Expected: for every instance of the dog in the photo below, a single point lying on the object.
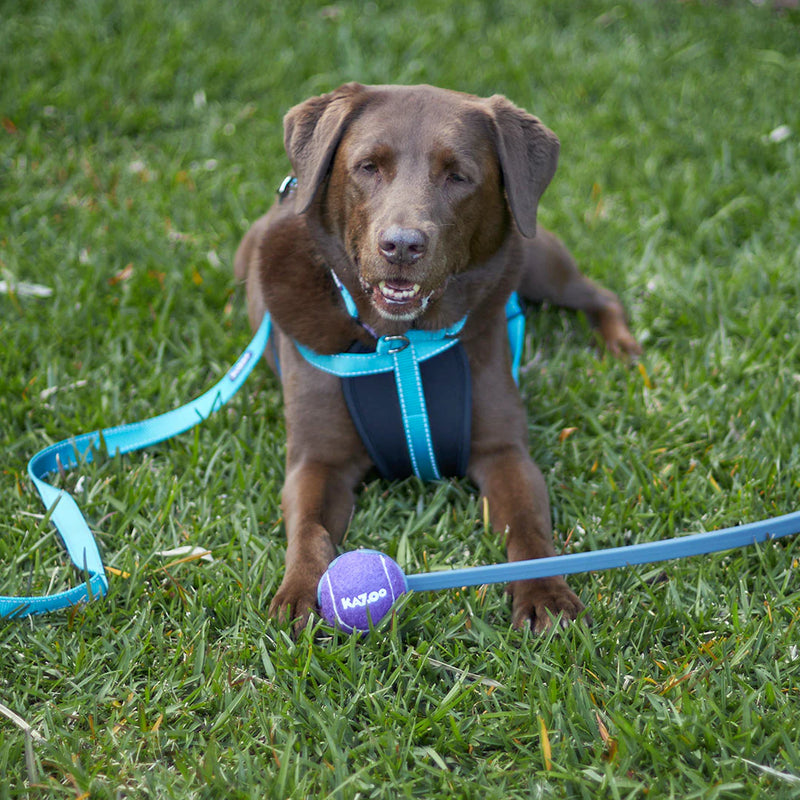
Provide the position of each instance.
(421, 204)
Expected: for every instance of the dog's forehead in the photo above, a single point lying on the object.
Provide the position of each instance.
(422, 119)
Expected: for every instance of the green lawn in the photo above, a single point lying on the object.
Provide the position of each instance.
(137, 142)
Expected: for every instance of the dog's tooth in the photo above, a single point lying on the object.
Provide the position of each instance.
(396, 294)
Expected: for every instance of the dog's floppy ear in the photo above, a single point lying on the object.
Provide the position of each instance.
(528, 153)
(311, 133)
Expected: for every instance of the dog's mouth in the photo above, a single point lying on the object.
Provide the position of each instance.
(398, 299)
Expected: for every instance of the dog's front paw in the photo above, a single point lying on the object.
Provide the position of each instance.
(545, 601)
(294, 602)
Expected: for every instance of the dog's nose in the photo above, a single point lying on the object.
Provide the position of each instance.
(402, 245)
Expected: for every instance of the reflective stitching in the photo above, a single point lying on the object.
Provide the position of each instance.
(412, 452)
(426, 428)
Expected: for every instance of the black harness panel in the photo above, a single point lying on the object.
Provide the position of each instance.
(375, 408)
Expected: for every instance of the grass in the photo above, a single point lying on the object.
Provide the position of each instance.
(137, 142)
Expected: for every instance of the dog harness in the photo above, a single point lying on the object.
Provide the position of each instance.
(411, 398)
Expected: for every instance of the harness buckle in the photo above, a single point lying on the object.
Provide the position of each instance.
(403, 343)
(286, 187)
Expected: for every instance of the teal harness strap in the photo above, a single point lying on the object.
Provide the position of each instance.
(64, 513)
(427, 344)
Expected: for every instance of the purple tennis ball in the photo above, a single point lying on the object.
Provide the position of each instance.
(360, 586)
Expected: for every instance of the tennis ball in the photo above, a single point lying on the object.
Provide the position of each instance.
(358, 587)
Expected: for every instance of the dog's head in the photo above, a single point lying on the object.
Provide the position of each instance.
(417, 183)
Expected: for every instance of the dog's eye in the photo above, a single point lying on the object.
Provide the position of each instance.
(457, 177)
(368, 167)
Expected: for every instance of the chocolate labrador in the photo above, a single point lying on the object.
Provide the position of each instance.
(417, 205)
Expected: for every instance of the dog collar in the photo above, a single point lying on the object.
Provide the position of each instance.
(515, 320)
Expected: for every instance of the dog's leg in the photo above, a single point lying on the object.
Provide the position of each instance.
(317, 504)
(550, 274)
(515, 491)
(514, 486)
(325, 460)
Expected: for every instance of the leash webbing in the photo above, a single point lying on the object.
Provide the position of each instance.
(612, 557)
(64, 513)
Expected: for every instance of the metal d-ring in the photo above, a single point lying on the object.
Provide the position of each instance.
(399, 337)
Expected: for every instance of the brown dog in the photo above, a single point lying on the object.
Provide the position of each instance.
(423, 202)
